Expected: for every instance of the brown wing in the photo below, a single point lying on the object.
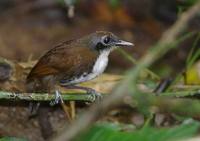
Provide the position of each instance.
(64, 60)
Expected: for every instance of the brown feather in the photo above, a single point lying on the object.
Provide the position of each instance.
(65, 60)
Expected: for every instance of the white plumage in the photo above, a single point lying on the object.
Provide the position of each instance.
(99, 67)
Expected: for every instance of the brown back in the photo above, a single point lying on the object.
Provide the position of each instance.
(68, 59)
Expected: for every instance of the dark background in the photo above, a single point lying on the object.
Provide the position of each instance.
(30, 27)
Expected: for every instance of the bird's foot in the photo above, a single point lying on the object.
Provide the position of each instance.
(94, 95)
(58, 99)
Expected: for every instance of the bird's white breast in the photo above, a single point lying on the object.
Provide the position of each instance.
(99, 67)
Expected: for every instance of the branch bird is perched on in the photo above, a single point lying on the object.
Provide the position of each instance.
(73, 62)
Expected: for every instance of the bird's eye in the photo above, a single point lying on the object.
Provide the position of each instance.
(106, 40)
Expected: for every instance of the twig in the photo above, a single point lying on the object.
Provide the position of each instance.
(117, 96)
(45, 96)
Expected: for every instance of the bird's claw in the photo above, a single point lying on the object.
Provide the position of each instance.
(58, 98)
(94, 96)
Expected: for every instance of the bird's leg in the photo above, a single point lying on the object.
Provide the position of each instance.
(58, 98)
(94, 94)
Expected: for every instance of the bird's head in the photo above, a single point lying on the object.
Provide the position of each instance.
(105, 41)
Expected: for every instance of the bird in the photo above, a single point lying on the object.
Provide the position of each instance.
(67, 65)
(73, 62)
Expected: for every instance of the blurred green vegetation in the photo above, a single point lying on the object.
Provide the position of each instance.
(112, 132)
(194, 53)
(185, 5)
(12, 139)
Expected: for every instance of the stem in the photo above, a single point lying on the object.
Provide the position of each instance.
(45, 96)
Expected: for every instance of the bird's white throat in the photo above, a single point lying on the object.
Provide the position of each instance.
(101, 63)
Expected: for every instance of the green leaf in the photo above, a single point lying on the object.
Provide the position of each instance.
(194, 53)
(113, 133)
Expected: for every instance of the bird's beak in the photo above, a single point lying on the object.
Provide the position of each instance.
(123, 43)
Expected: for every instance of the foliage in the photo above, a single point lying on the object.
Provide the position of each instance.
(112, 132)
(185, 5)
(194, 53)
(192, 63)
(12, 139)
(114, 3)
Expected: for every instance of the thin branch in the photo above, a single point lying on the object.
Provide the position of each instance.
(45, 96)
(117, 96)
(42, 97)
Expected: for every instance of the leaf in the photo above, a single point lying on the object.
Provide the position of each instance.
(113, 133)
(194, 53)
(192, 75)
